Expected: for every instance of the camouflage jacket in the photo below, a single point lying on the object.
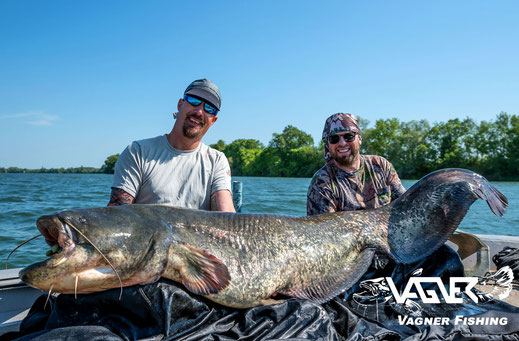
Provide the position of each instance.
(374, 184)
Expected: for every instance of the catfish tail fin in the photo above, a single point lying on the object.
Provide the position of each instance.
(425, 216)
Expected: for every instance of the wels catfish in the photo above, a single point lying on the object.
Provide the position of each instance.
(242, 260)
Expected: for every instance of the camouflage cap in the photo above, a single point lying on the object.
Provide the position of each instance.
(337, 123)
(340, 122)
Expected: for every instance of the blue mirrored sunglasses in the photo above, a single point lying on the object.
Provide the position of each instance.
(196, 102)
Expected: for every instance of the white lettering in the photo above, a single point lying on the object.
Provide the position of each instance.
(445, 321)
(430, 296)
(405, 295)
(481, 321)
(422, 321)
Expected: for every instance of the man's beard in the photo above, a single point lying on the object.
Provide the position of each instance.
(346, 160)
(192, 132)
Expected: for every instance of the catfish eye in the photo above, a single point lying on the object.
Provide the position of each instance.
(82, 220)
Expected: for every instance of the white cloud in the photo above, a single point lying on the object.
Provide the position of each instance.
(37, 118)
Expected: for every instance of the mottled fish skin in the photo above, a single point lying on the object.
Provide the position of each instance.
(266, 254)
(242, 260)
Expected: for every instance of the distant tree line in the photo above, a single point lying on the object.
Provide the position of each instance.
(107, 168)
(415, 148)
(290, 153)
(75, 170)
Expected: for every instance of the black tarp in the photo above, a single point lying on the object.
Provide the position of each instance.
(509, 256)
(166, 311)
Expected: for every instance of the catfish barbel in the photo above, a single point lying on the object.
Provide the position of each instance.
(242, 260)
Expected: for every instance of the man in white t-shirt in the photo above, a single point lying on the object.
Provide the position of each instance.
(177, 168)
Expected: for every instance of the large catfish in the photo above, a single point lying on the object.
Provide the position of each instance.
(242, 260)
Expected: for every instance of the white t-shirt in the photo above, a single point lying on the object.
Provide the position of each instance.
(154, 172)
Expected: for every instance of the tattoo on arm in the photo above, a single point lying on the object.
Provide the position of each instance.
(214, 203)
(222, 201)
(120, 197)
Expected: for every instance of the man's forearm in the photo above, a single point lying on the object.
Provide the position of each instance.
(120, 197)
(222, 201)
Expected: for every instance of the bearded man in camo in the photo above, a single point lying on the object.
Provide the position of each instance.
(350, 181)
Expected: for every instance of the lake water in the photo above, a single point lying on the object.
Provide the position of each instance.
(25, 197)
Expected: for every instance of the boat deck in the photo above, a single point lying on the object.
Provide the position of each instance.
(16, 299)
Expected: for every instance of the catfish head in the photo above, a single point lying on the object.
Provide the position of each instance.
(102, 248)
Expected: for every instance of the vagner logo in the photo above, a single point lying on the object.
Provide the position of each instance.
(408, 302)
(430, 296)
(500, 282)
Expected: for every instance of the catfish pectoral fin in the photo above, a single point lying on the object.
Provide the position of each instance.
(330, 285)
(199, 271)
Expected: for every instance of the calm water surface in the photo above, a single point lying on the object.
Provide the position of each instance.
(25, 197)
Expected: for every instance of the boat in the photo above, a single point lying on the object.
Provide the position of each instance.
(476, 252)
(16, 298)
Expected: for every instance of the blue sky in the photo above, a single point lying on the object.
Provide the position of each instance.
(79, 80)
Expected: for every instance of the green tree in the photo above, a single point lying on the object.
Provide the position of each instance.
(291, 153)
(109, 165)
(242, 154)
(363, 123)
(268, 163)
(302, 162)
(384, 139)
(497, 143)
(291, 138)
(512, 148)
(451, 144)
(220, 145)
(413, 161)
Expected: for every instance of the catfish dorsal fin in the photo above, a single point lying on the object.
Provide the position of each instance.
(201, 272)
(332, 285)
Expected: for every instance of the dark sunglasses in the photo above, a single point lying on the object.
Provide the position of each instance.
(348, 137)
(196, 102)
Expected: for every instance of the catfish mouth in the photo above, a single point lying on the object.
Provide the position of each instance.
(80, 260)
(59, 232)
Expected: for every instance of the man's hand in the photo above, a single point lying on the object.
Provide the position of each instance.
(120, 197)
(222, 201)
